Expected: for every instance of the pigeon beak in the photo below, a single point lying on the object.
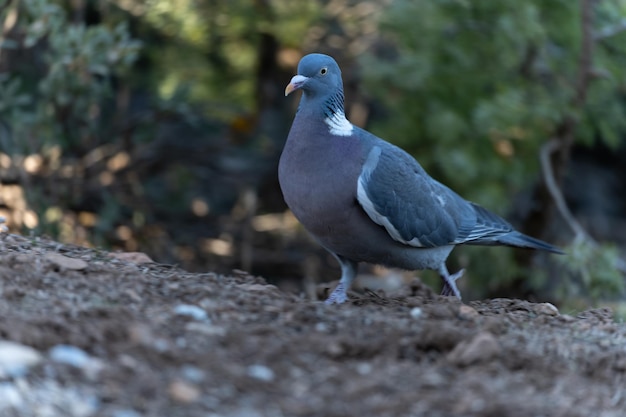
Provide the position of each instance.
(296, 82)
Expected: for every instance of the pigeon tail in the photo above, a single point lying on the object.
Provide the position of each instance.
(521, 240)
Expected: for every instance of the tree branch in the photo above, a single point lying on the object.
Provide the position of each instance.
(580, 234)
(558, 148)
(553, 188)
(585, 63)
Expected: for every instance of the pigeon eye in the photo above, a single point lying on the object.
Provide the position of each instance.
(323, 71)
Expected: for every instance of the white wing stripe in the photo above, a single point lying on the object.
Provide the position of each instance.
(370, 164)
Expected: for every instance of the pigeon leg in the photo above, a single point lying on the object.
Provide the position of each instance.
(348, 273)
(449, 281)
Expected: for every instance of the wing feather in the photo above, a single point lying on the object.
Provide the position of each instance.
(397, 194)
(416, 210)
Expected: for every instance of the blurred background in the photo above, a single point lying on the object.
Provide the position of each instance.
(156, 126)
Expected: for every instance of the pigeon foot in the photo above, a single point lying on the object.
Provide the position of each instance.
(449, 283)
(338, 296)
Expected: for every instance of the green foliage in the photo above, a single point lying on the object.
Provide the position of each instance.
(476, 87)
(86, 91)
(14, 106)
(210, 49)
(60, 99)
(57, 103)
(594, 271)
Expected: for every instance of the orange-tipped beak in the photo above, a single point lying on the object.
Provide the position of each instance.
(296, 82)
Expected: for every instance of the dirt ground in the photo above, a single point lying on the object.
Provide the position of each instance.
(87, 334)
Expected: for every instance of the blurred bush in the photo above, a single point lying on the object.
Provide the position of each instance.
(59, 78)
(153, 144)
(475, 88)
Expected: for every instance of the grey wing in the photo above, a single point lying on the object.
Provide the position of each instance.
(488, 229)
(416, 210)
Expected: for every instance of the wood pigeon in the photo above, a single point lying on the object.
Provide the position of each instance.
(366, 200)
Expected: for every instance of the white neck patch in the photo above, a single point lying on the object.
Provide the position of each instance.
(339, 125)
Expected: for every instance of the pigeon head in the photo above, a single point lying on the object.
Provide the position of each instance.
(318, 75)
(319, 78)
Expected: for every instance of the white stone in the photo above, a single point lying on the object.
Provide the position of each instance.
(416, 312)
(10, 396)
(70, 355)
(76, 357)
(15, 358)
(261, 372)
(192, 311)
(364, 368)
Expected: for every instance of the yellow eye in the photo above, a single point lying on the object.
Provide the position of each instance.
(323, 71)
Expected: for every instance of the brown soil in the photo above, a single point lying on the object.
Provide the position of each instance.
(248, 349)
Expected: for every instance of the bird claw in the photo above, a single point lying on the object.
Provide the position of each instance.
(449, 284)
(338, 296)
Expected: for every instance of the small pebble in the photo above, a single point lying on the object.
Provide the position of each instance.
(15, 358)
(192, 311)
(65, 262)
(70, 355)
(192, 373)
(335, 349)
(76, 357)
(133, 257)
(10, 396)
(416, 312)
(364, 368)
(125, 413)
(482, 347)
(321, 327)
(546, 309)
(261, 372)
(207, 329)
(183, 392)
(161, 345)
(467, 312)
